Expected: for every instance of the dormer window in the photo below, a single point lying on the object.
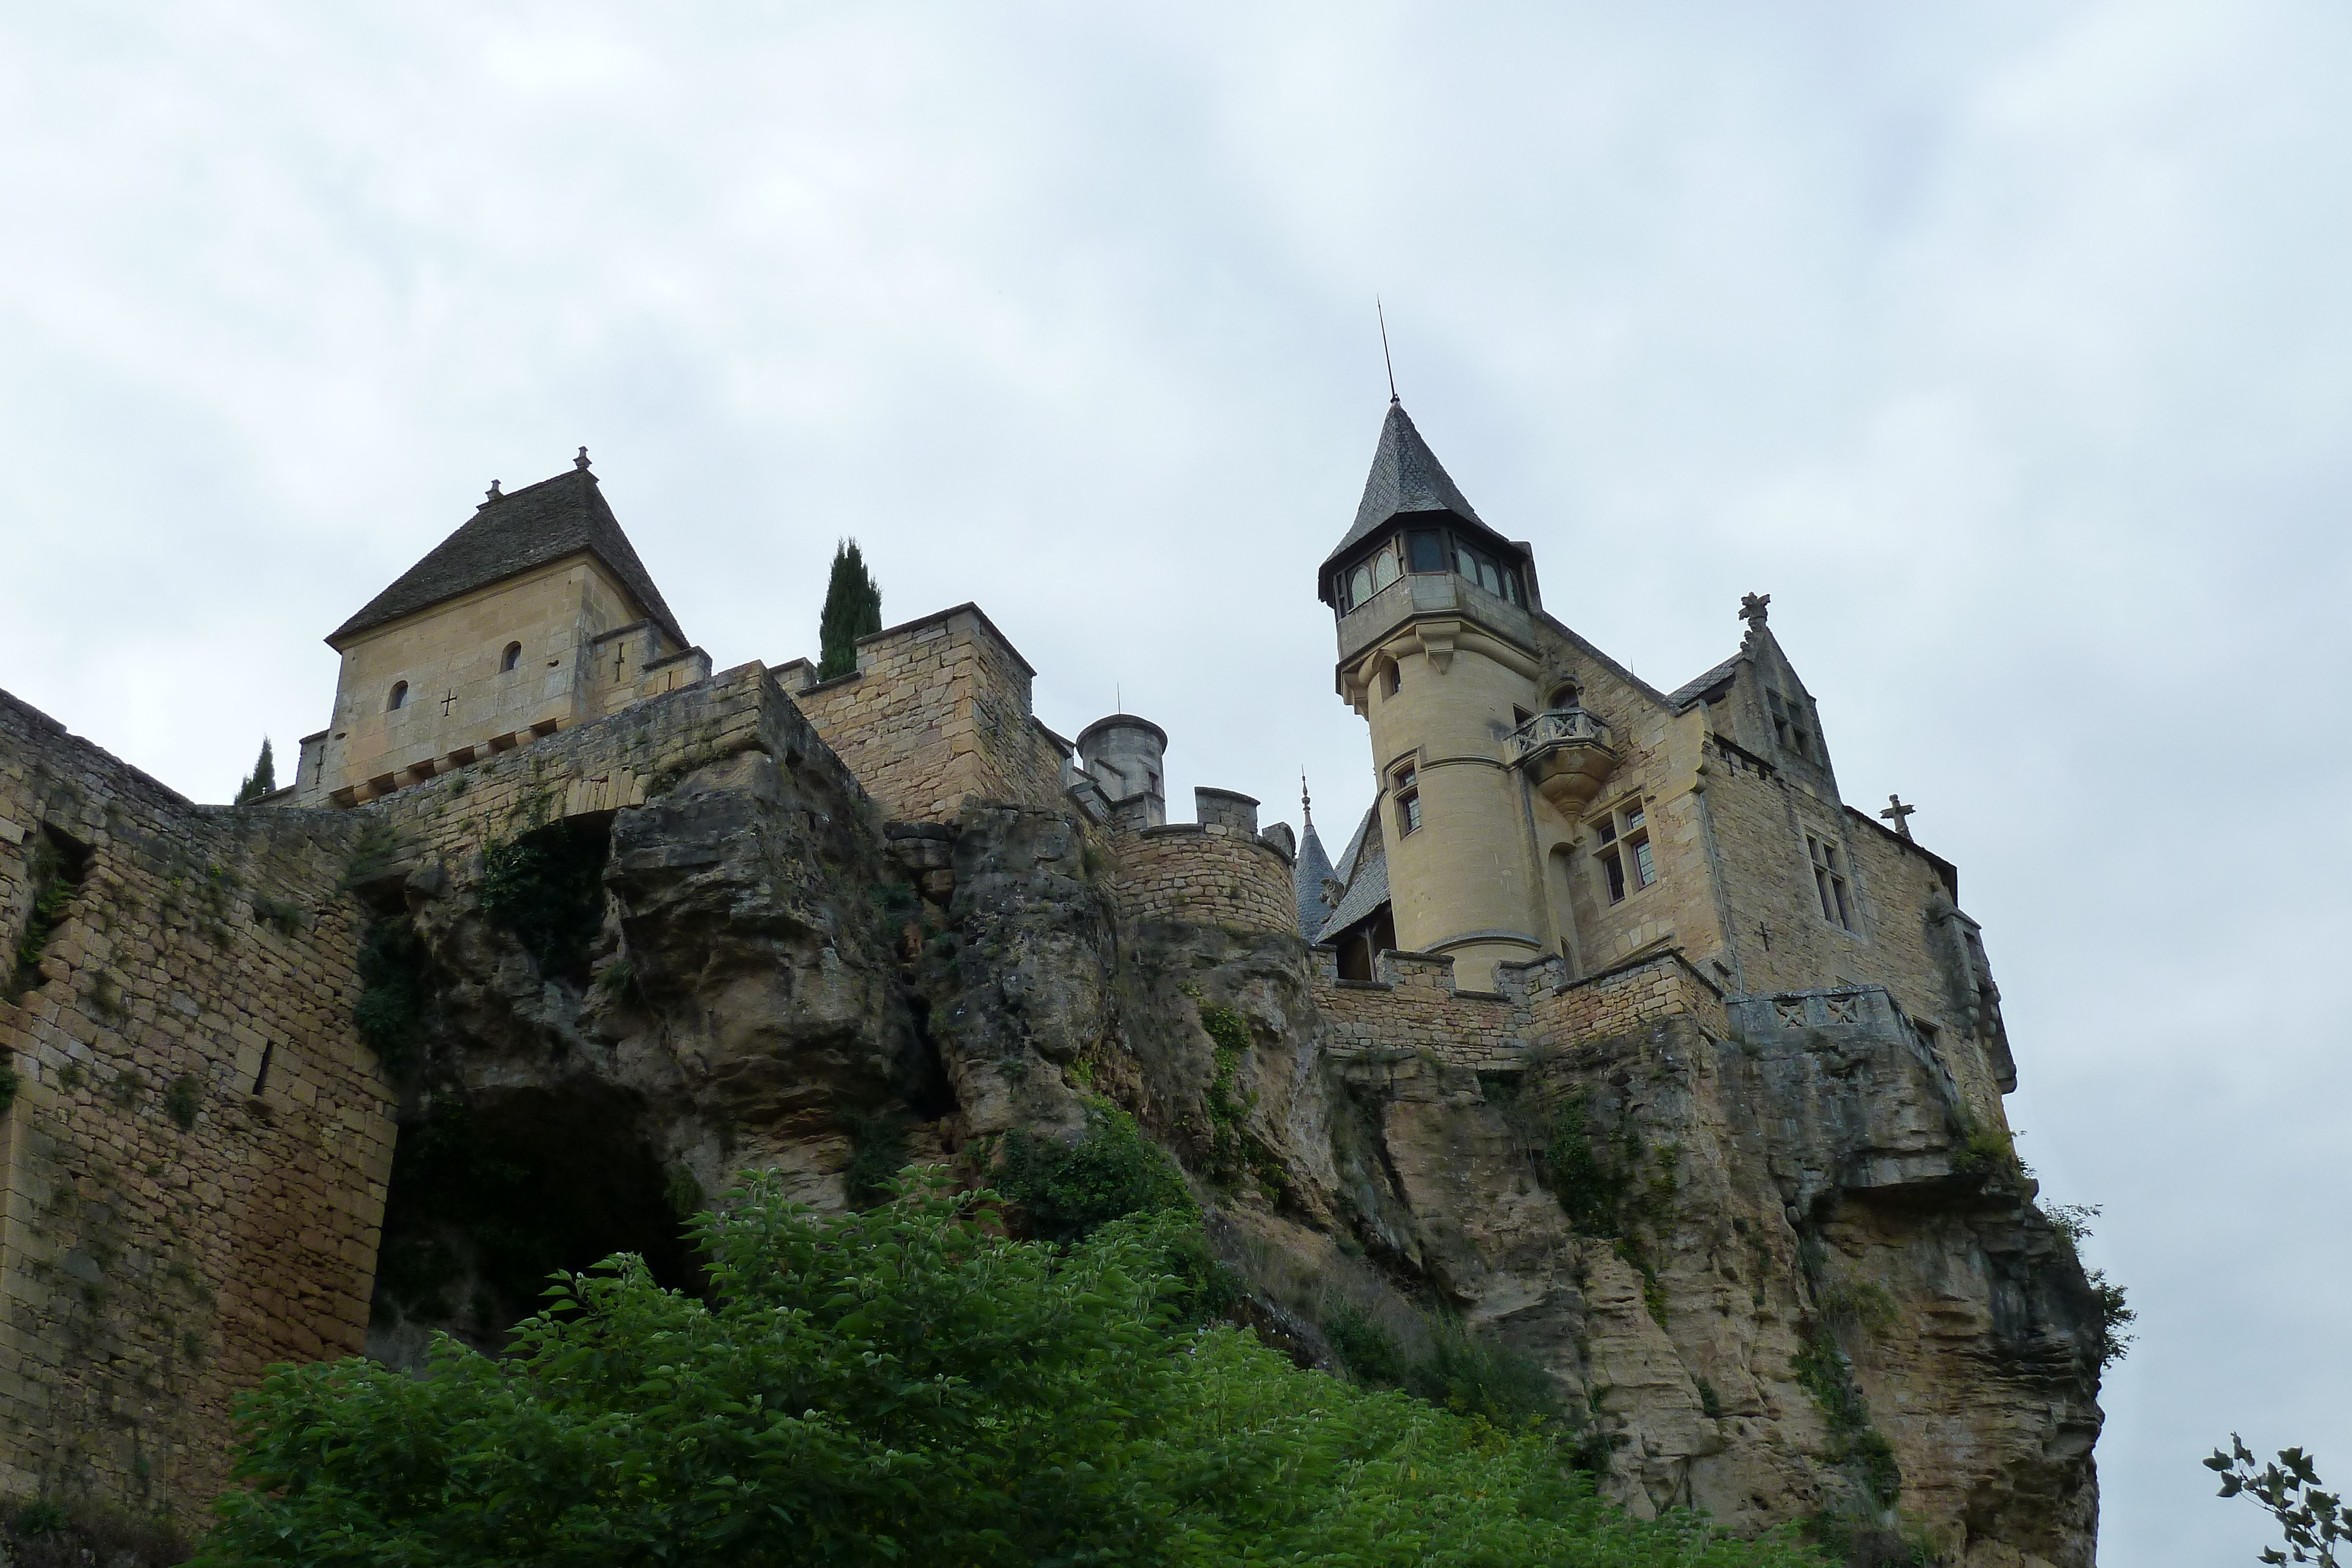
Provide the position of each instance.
(511, 659)
(399, 698)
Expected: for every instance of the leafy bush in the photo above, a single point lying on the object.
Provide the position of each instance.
(1438, 1360)
(906, 1386)
(2314, 1522)
(53, 882)
(546, 889)
(390, 1012)
(1821, 1367)
(181, 1102)
(878, 1149)
(1064, 1192)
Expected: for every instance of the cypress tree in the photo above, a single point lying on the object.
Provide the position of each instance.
(262, 780)
(853, 608)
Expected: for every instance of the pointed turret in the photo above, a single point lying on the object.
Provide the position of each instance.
(1311, 878)
(1406, 477)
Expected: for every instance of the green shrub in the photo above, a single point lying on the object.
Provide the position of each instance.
(905, 1386)
(54, 885)
(1821, 1367)
(546, 889)
(1064, 1192)
(877, 1150)
(390, 1012)
(181, 1102)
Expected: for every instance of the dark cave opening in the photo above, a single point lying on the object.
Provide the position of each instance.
(493, 1192)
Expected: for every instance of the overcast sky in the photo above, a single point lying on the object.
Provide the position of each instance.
(2005, 345)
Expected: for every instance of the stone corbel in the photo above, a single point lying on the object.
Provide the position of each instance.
(1437, 639)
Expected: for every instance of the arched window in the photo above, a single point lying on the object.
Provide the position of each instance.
(1360, 586)
(1384, 570)
(1565, 694)
(512, 658)
(399, 698)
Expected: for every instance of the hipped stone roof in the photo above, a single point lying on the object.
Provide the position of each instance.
(533, 526)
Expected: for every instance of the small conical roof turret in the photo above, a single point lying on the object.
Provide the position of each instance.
(1311, 877)
(1406, 477)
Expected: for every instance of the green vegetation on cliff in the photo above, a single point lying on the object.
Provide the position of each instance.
(906, 1385)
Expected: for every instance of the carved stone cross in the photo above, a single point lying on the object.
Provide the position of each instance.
(1751, 608)
(1900, 813)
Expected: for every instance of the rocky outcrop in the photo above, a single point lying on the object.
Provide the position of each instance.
(1775, 1271)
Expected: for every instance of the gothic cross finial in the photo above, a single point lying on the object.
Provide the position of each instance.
(1900, 813)
(1751, 608)
(1305, 803)
(580, 462)
(492, 493)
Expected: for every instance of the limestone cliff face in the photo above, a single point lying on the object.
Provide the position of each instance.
(1764, 1265)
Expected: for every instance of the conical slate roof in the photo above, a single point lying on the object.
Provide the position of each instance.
(1406, 477)
(1307, 880)
(533, 526)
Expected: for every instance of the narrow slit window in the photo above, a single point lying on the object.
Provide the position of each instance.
(399, 698)
(1829, 881)
(512, 658)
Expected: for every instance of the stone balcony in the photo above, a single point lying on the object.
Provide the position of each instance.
(1566, 753)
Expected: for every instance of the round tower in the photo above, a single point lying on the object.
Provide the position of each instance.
(1438, 651)
(1122, 755)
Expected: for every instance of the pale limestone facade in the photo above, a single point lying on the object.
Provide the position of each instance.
(490, 670)
(1537, 800)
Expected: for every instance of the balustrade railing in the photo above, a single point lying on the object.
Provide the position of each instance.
(1557, 724)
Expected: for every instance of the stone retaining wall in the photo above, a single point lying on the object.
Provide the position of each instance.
(1415, 1008)
(193, 1172)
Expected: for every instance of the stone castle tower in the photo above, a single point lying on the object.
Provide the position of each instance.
(1536, 799)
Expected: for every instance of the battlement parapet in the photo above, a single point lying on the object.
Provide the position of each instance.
(1203, 873)
(937, 710)
(1415, 1005)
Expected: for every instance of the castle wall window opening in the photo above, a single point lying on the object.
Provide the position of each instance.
(511, 659)
(1627, 863)
(1829, 881)
(1392, 677)
(1408, 799)
(399, 698)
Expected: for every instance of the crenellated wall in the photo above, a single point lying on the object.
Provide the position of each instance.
(939, 709)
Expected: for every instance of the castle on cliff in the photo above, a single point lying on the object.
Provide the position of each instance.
(1565, 870)
(1541, 807)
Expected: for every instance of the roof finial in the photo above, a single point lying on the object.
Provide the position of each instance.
(1751, 609)
(1385, 359)
(580, 462)
(1305, 802)
(492, 493)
